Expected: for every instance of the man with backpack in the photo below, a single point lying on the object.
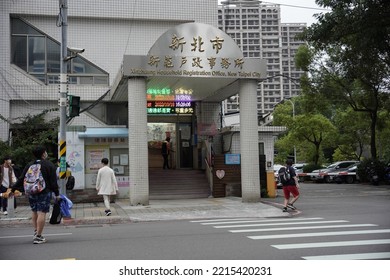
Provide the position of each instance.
(39, 180)
(289, 180)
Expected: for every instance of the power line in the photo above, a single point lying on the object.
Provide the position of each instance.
(131, 26)
(299, 7)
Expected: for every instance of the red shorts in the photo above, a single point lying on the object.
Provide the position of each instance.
(290, 189)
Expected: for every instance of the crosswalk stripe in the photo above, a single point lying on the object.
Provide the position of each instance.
(221, 220)
(239, 221)
(30, 236)
(364, 256)
(282, 224)
(331, 244)
(313, 234)
(299, 228)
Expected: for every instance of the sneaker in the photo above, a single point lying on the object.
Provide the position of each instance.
(284, 209)
(5, 213)
(292, 207)
(39, 239)
(108, 212)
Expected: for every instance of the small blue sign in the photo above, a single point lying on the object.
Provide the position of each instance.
(232, 159)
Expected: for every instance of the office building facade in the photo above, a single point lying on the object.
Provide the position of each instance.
(150, 69)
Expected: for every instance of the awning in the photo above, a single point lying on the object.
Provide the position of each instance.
(109, 132)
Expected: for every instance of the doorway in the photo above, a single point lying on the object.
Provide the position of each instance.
(185, 145)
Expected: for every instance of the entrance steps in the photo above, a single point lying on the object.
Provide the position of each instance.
(177, 184)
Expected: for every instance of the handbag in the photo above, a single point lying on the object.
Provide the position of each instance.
(56, 215)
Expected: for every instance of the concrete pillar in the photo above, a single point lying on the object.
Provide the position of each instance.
(138, 142)
(250, 170)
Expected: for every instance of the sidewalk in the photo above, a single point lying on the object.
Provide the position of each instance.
(157, 210)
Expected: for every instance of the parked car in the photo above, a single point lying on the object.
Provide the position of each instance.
(276, 175)
(348, 176)
(326, 174)
(299, 171)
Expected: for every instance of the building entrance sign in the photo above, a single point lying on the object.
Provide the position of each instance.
(194, 50)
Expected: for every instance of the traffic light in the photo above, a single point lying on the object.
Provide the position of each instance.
(74, 106)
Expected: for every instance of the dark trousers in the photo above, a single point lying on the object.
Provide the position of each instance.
(4, 201)
(165, 165)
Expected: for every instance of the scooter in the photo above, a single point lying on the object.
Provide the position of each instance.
(373, 176)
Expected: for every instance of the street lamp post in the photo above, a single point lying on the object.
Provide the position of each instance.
(293, 111)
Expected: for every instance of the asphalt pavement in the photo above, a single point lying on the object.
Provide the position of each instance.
(180, 209)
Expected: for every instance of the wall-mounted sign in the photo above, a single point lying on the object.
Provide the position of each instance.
(232, 159)
(166, 101)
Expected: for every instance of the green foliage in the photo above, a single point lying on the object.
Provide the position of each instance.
(309, 132)
(4, 150)
(351, 57)
(310, 167)
(353, 136)
(303, 58)
(28, 132)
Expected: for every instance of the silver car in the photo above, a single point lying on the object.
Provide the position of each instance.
(323, 175)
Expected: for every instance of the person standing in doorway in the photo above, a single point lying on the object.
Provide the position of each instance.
(165, 149)
(106, 184)
(40, 202)
(291, 186)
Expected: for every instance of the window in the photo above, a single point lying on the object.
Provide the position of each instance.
(39, 55)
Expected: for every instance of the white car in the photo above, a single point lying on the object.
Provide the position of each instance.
(276, 175)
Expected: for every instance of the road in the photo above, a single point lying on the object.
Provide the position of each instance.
(332, 222)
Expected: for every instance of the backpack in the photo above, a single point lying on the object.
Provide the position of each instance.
(33, 180)
(284, 175)
(70, 183)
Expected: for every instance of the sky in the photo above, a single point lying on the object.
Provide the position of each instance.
(297, 11)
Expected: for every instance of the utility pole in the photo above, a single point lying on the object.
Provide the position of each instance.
(63, 93)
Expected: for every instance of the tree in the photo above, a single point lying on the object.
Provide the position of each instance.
(353, 132)
(29, 131)
(349, 50)
(311, 132)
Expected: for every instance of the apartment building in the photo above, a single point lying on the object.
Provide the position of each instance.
(257, 29)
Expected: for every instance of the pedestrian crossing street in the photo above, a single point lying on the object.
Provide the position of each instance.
(322, 233)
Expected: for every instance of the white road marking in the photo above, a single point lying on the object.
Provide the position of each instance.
(283, 223)
(331, 244)
(30, 235)
(299, 228)
(313, 234)
(363, 256)
(223, 220)
(239, 221)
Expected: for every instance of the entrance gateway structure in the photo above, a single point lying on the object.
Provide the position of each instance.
(190, 63)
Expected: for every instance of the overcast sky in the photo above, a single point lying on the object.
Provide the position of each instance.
(297, 11)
